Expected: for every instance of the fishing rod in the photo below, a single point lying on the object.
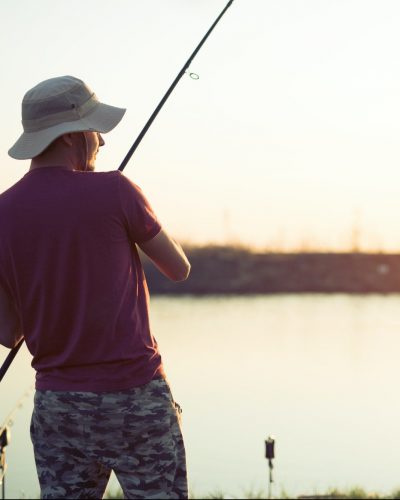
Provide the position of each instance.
(11, 355)
(10, 358)
(171, 88)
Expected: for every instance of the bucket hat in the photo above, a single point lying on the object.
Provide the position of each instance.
(58, 106)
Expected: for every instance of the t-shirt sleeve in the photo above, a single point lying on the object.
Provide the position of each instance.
(139, 218)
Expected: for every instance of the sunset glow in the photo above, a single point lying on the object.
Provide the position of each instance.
(288, 141)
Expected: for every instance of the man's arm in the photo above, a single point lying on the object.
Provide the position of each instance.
(167, 255)
(10, 328)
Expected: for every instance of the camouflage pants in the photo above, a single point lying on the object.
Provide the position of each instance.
(80, 437)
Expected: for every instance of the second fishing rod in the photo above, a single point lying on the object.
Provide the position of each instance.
(11, 355)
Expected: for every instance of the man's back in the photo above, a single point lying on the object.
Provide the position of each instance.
(69, 261)
(72, 284)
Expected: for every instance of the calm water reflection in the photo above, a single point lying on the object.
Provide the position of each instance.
(319, 372)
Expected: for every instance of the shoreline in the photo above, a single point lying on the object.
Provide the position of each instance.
(229, 270)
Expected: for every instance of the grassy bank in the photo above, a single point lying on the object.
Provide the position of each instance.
(229, 270)
(330, 494)
(351, 493)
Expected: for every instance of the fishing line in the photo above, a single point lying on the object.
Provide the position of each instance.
(5, 437)
(11, 355)
(9, 420)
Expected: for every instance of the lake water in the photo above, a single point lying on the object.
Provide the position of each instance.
(319, 372)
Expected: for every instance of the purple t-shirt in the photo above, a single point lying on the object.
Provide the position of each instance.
(69, 261)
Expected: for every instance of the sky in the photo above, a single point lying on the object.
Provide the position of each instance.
(289, 140)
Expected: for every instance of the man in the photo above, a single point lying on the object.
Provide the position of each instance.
(72, 284)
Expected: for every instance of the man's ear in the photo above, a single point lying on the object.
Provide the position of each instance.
(67, 138)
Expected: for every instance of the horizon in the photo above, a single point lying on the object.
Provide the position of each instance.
(234, 245)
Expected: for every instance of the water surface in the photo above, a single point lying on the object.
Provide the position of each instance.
(319, 372)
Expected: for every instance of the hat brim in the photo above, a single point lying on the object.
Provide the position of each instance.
(102, 118)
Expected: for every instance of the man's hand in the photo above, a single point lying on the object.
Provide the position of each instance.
(10, 328)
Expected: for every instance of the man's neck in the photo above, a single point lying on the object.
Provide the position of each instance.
(52, 160)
